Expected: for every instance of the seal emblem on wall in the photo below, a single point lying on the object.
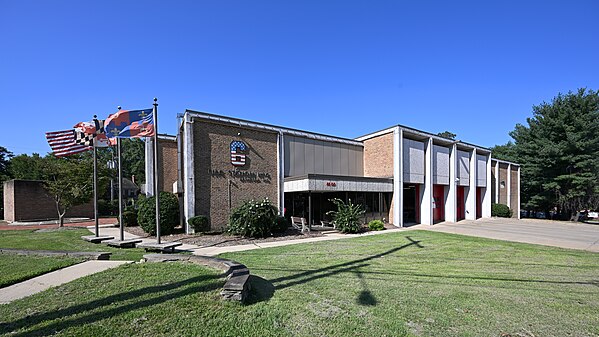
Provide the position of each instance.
(238, 149)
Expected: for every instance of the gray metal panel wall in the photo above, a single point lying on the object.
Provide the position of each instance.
(287, 149)
(463, 170)
(481, 171)
(309, 155)
(413, 161)
(440, 165)
(306, 156)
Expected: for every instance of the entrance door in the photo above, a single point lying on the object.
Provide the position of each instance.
(410, 204)
(438, 203)
(479, 202)
(461, 203)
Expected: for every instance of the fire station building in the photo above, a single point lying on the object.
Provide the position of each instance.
(400, 175)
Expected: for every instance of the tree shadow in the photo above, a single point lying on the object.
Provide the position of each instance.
(365, 297)
(110, 306)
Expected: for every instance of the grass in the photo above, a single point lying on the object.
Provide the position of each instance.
(64, 239)
(408, 283)
(17, 268)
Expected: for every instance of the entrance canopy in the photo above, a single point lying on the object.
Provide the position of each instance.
(331, 183)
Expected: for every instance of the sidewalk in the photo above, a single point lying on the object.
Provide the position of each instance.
(213, 251)
(55, 278)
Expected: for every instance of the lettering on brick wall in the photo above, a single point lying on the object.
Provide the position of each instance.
(243, 176)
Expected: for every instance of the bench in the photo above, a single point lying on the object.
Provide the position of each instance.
(300, 224)
(162, 247)
(123, 244)
(327, 224)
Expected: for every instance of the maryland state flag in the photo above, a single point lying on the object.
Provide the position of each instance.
(130, 124)
(92, 133)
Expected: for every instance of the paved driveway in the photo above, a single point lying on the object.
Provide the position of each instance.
(544, 232)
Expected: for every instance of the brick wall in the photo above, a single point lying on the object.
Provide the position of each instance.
(167, 161)
(493, 183)
(503, 178)
(218, 182)
(514, 191)
(378, 156)
(27, 200)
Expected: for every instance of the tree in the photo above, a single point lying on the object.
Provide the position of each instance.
(447, 134)
(27, 167)
(558, 153)
(68, 181)
(5, 156)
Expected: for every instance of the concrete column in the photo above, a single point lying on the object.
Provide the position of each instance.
(398, 177)
(426, 207)
(486, 212)
(188, 172)
(518, 192)
(149, 166)
(281, 173)
(471, 197)
(450, 201)
(496, 182)
(509, 185)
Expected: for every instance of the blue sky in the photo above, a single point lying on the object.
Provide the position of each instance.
(344, 68)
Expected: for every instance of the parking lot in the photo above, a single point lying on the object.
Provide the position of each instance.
(544, 232)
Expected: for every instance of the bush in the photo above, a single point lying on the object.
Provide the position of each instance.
(376, 225)
(501, 210)
(281, 225)
(253, 219)
(347, 216)
(129, 218)
(200, 224)
(169, 213)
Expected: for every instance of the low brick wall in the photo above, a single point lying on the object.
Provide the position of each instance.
(28, 200)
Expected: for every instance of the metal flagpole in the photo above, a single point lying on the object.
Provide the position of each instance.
(96, 186)
(156, 193)
(118, 149)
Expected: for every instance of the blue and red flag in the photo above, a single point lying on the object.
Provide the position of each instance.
(130, 124)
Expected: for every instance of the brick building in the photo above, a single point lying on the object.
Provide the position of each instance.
(399, 174)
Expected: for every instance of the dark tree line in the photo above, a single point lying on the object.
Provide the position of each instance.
(558, 149)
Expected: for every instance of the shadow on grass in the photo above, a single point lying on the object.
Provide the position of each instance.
(107, 307)
(350, 266)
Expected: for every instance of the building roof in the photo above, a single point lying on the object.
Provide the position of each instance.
(271, 127)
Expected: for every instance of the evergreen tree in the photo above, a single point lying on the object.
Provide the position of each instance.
(559, 153)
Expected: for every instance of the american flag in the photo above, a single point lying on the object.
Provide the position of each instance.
(68, 142)
(237, 153)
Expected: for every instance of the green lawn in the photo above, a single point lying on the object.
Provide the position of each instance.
(408, 283)
(17, 268)
(66, 239)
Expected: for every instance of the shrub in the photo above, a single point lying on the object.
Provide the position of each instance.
(200, 223)
(376, 225)
(281, 225)
(169, 213)
(501, 210)
(347, 216)
(129, 218)
(253, 219)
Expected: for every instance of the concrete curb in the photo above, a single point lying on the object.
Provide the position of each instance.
(88, 255)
